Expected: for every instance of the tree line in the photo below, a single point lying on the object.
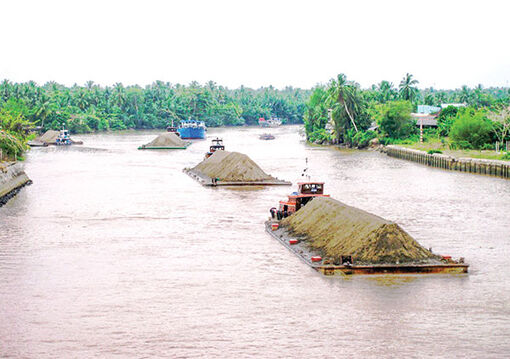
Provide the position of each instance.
(92, 107)
(342, 112)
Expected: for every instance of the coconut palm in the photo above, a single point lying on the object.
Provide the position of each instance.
(343, 92)
(385, 91)
(407, 90)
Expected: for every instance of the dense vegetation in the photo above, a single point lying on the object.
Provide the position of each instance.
(95, 108)
(342, 112)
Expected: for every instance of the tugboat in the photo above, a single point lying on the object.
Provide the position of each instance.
(173, 129)
(306, 191)
(216, 144)
(63, 138)
(192, 129)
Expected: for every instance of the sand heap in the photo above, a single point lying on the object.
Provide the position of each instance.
(337, 229)
(49, 136)
(232, 167)
(168, 139)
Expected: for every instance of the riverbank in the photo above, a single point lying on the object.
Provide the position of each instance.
(435, 144)
(12, 179)
(495, 168)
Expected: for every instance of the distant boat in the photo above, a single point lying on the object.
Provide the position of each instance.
(216, 145)
(266, 136)
(273, 122)
(192, 129)
(173, 129)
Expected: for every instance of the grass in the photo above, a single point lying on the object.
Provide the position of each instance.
(433, 143)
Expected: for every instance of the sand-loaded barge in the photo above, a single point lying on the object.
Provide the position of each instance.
(334, 238)
(57, 138)
(166, 141)
(224, 168)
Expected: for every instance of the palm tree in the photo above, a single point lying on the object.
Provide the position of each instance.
(407, 90)
(119, 95)
(385, 90)
(465, 94)
(342, 92)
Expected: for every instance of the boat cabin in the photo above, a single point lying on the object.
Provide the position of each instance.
(217, 144)
(63, 138)
(306, 191)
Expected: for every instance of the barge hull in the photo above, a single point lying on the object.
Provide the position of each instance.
(208, 182)
(376, 269)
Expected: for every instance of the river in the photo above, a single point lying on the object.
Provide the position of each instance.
(115, 252)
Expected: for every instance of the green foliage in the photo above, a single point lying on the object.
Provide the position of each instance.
(471, 129)
(408, 91)
(506, 156)
(11, 145)
(320, 136)
(431, 152)
(396, 120)
(316, 114)
(13, 128)
(445, 120)
(359, 139)
(95, 108)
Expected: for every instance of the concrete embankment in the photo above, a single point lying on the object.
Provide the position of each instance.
(12, 179)
(471, 165)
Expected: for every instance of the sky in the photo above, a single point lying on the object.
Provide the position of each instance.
(444, 44)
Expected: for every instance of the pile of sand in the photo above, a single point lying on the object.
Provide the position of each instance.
(49, 136)
(168, 139)
(338, 230)
(232, 167)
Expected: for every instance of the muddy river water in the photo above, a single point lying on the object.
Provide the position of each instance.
(115, 252)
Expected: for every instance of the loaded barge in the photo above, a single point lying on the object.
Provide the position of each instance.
(347, 264)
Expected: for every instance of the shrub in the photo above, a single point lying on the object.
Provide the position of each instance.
(396, 121)
(431, 152)
(446, 119)
(11, 146)
(320, 136)
(359, 139)
(470, 130)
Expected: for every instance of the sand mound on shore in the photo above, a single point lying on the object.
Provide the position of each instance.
(49, 136)
(338, 229)
(232, 167)
(168, 139)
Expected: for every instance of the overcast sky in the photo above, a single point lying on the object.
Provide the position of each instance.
(445, 44)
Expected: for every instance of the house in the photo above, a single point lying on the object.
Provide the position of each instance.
(425, 120)
(426, 109)
(445, 105)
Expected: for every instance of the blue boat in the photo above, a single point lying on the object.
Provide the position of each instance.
(192, 129)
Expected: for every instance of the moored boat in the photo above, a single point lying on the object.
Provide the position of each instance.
(192, 129)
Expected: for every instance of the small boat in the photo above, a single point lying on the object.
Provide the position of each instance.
(216, 144)
(173, 129)
(63, 138)
(272, 122)
(266, 136)
(192, 129)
